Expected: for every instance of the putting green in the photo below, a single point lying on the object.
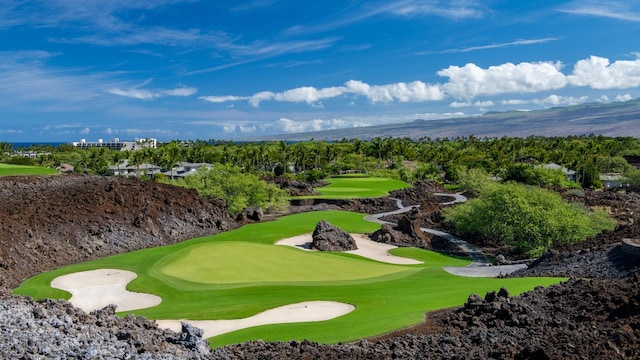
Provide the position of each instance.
(209, 264)
(358, 187)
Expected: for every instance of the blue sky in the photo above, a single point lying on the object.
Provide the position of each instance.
(189, 69)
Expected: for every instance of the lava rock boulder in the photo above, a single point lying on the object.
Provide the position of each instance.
(327, 237)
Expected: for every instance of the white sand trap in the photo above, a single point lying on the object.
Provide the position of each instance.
(308, 311)
(366, 248)
(95, 289)
(483, 271)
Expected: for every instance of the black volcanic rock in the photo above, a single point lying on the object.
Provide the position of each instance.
(327, 237)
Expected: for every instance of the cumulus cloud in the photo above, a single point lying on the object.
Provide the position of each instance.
(623, 98)
(471, 80)
(293, 126)
(599, 73)
(142, 94)
(465, 84)
(415, 91)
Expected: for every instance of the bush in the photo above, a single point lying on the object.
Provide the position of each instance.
(238, 189)
(473, 180)
(20, 160)
(530, 219)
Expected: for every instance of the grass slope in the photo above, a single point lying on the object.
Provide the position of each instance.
(9, 169)
(386, 300)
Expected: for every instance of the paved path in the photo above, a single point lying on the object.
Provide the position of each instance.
(479, 267)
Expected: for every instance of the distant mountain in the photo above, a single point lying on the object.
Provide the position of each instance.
(608, 119)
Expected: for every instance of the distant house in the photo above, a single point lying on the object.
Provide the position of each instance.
(126, 169)
(184, 169)
(613, 180)
(572, 175)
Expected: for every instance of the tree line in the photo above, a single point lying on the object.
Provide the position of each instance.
(403, 158)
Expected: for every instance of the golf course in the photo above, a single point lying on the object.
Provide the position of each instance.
(242, 273)
(10, 169)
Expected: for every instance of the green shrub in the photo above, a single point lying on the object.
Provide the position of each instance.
(530, 219)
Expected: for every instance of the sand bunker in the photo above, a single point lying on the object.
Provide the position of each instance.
(366, 248)
(483, 271)
(308, 311)
(95, 289)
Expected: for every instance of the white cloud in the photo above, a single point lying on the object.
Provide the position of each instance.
(466, 83)
(145, 132)
(496, 46)
(456, 9)
(183, 91)
(10, 131)
(142, 94)
(415, 91)
(598, 73)
(85, 131)
(609, 9)
(470, 80)
(222, 99)
(556, 100)
(293, 126)
(261, 96)
(480, 104)
(309, 94)
(514, 102)
(623, 98)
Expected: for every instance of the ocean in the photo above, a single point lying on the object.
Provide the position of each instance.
(18, 145)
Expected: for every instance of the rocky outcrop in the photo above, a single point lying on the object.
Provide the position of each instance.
(294, 187)
(327, 237)
(52, 221)
(250, 214)
(51, 329)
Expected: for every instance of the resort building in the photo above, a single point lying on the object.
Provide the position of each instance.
(116, 144)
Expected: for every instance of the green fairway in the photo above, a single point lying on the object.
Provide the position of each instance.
(358, 187)
(240, 273)
(9, 169)
(386, 297)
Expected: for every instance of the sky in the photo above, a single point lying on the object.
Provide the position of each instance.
(227, 70)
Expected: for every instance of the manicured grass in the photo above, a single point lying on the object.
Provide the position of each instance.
(10, 169)
(208, 263)
(357, 187)
(388, 298)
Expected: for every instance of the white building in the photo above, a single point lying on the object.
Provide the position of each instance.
(116, 144)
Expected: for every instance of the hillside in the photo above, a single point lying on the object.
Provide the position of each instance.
(608, 119)
(52, 221)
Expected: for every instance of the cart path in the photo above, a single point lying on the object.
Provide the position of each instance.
(479, 267)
